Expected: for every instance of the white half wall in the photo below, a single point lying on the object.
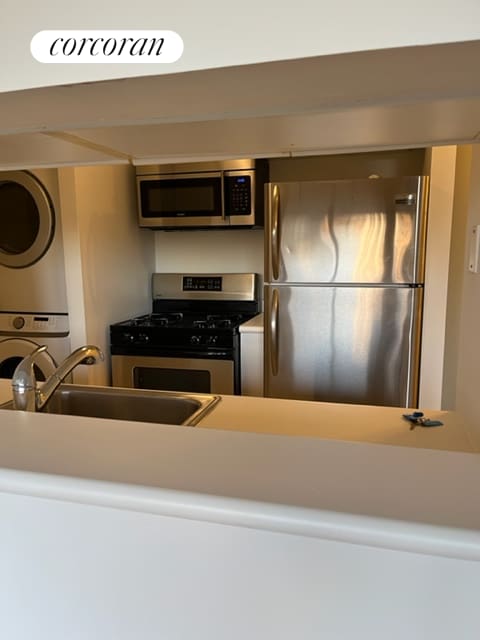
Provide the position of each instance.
(81, 571)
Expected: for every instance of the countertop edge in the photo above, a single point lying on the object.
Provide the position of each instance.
(254, 325)
(358, 529)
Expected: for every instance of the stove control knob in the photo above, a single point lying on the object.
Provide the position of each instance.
(18, 322)
(195, 340)
(212, 339)
(142, 337)
(128, 337)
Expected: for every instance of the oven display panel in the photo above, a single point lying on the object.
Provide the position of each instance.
(201, 283)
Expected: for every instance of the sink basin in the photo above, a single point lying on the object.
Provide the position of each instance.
(139, 405)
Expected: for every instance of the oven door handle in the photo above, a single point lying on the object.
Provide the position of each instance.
(274, 313)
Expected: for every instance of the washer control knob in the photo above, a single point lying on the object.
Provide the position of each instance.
(18, 322)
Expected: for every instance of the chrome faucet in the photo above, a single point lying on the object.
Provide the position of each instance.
(27, 396)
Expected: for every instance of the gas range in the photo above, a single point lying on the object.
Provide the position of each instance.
(195, 318)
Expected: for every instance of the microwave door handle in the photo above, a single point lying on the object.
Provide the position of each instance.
(222, 178)
(275, 232)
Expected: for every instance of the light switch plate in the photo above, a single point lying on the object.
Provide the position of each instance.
(473, 262)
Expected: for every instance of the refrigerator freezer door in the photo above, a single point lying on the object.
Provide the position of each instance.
(343, 344)
(346, 231)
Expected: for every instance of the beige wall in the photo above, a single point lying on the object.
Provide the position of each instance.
(440, 164)
(108, 259)
(451, 370)
(456, 274)
(232, 250)
(468, 377)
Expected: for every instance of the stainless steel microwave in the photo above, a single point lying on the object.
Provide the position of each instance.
(223, 194)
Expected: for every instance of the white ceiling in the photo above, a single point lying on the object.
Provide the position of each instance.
(410, 97)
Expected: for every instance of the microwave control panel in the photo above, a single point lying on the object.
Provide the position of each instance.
(238, 195)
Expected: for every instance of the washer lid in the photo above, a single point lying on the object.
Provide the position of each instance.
(27, 219)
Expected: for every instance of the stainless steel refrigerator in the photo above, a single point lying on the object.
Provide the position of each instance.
(344, 273)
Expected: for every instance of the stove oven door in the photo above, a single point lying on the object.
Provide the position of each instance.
(194, 375)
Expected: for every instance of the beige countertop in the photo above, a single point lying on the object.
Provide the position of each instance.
(381, 425)
(357, 423)
(254, 325)
(242, 467)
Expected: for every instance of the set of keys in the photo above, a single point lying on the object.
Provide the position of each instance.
(417, 418)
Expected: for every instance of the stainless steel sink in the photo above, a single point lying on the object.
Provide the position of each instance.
(139, 405)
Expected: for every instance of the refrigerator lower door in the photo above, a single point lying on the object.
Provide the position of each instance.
(343, 344)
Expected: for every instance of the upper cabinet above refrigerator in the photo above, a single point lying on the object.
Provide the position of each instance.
(346, 231)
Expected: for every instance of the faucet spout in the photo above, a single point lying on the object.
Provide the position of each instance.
(27, 396)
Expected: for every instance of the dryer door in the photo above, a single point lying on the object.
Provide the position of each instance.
(27, 219)
(12, 352)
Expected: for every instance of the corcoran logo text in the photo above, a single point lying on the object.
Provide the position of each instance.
(106, 47)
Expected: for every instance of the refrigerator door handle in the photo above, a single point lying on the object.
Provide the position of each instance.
(415, 331)
(275, 233)
(274, 311)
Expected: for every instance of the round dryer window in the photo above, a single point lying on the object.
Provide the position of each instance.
(12, 352)
(27, 219)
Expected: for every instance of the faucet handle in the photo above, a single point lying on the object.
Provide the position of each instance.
(24, 383)
(24, 375)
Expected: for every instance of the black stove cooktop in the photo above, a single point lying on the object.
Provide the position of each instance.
(194, 321)
(177, 331)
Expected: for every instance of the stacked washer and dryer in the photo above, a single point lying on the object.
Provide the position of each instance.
(33, 298)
